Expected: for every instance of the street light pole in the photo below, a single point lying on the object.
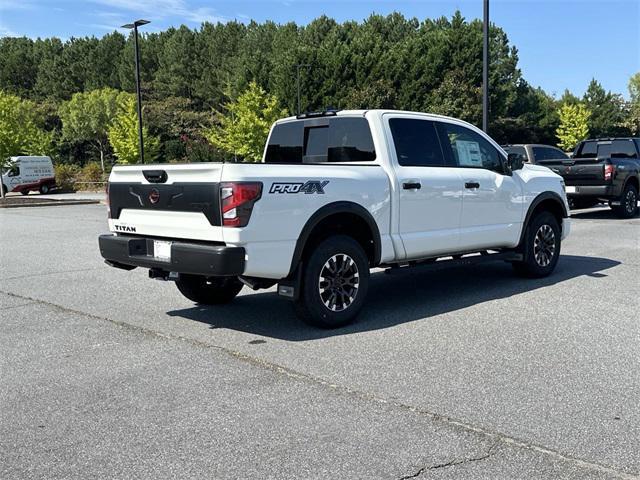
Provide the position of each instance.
(298, 67)
(485, 67)
(135, 26)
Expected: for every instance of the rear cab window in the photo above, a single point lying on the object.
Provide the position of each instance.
(604, 149)
(623, 148)
(321, 140)
(588, 149)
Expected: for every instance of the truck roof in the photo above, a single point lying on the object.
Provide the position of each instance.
(610, 139)
(529, 145)
(21, 158)
(362, 112)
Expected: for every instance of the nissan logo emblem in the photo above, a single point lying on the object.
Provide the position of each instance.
(154, 196)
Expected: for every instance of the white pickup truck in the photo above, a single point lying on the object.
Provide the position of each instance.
(337, 194)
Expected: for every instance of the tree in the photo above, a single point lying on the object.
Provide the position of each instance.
(20, 131)
(18, 67)
(177, 66)
(88, 116)
(384, 61)
(633, 116)
(574, 125)
(568, 98)
(123, 134)
(379, 94)
(454, 98)
(607, 113)
(244, 128)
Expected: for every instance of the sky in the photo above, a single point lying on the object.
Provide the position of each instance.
(562, 44)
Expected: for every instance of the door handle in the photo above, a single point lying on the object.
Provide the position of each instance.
(471, 185)
(412, 185)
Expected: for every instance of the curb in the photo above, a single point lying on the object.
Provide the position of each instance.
(54, 203)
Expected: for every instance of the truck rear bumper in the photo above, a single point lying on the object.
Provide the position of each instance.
(195, 258)
(599, 191)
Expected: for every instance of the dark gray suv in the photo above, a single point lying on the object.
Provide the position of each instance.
(532, 153)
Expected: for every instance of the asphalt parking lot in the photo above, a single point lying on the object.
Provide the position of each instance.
(465, 373)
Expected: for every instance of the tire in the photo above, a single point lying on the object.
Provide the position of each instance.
(24, 192)
(628, 202)
(335, 282)
(540, 246)
(209, 290)
(4, 189)
(44, 189)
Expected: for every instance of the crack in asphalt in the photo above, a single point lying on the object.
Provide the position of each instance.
(18, 306)
(490, 453)
(499, 437)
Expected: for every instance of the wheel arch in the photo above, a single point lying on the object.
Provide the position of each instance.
(633, 180)
(346, 218)
(546, 201)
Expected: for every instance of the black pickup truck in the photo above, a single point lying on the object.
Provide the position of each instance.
(603, 169)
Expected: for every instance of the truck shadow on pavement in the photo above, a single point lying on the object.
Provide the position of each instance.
(393, 299)
(598, 214)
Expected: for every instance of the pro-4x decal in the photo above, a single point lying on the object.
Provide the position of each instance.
(312, 186)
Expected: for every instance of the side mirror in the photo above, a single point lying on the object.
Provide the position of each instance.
(515, 161)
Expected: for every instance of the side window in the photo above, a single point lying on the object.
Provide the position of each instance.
(416, 143)
(623, 149)
(285, 144)
(556, 153)
(517, 150)
(468, 148)
(548, 153)
(14, 171)
(539, 153)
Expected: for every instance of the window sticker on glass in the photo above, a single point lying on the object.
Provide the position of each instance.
(468, 153)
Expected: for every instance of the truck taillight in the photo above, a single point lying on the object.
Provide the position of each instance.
(608, 171)
(236, 202)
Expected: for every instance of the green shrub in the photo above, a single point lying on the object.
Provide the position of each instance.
(91, 173)
(66, 176)
(175, 150)
(201, 151)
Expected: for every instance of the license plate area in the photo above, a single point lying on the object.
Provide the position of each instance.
(162, 250)
(570, 189)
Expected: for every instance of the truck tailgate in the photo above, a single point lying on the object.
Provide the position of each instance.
(176, 201)
(578, 171)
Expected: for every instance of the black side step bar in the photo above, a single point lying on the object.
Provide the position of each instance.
(456, 261)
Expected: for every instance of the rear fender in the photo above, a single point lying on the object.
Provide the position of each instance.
(327, 211)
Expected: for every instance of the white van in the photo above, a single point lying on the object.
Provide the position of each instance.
(25, 174)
